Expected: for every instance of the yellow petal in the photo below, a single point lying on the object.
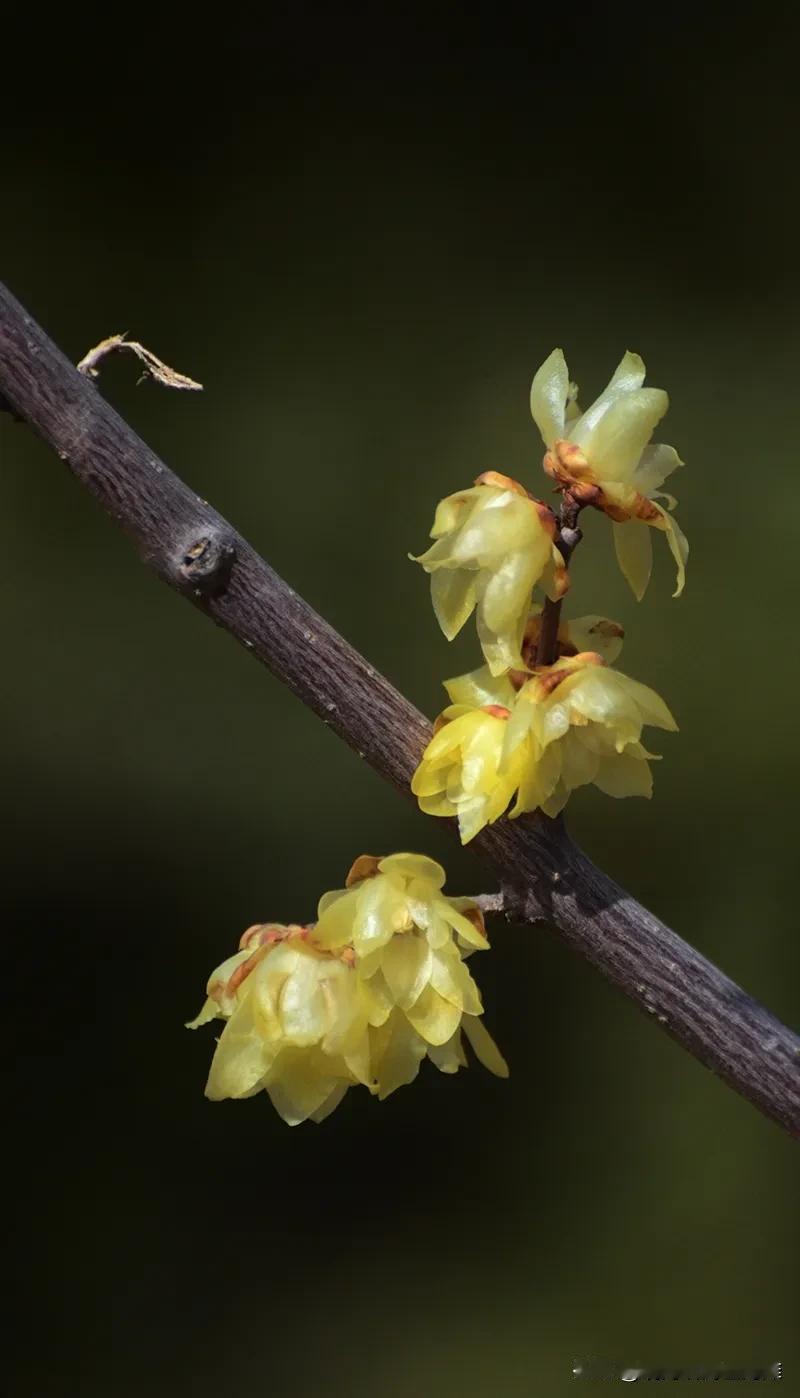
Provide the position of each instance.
(433, 1017)
(626, 379)
(615, 446)
(634, 547)
(239, 1063)
(406, 966)
(596, 633)
(397, 1051)
(414, 866)
(484, 1046)
(655, 464)
(624, 775)
(450, 1056)
(678, 546)
(209, 1011)
(549, 392)
(336, 912)
(330, 1104)
(453, 595)
(479, 687)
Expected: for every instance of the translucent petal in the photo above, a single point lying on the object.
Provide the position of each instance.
(616, 444)
(678, 547)
(451, 979)
(209, 1011)
(549, 392)
(448, 1057)
(297, 1091)
(578, 762)
(627, 378)
(472, 816)
(303, 1007)
(539, 778)
(437, 806)
(556, 801)
(239, 1063)
(462, 925)
(484, 1046)
(380, 912)
(414, 866)
(406, 966)
(336, 912)
(397, 1051)
(433, 1017)
(479, 687)
(634, 548)
(375, 998)
(596, 633)
(651, 706)
(624, 775)
(655, 464)
(453, 595)
(330, 1104)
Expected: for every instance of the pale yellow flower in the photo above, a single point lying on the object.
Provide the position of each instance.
(604, 458)
(460, 771)
(409, 940)
(494, 543)
(296, 1026)
(580, 722)
(536, 736)
(360, 998)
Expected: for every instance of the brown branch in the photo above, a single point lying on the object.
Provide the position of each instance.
(544, 877)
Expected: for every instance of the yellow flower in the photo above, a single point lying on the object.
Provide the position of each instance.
(494, 542)
(604, 458)
(358, 999)
(539, 735)
(409, 942)
(296, 1027)
(460, 772)
(579, 721)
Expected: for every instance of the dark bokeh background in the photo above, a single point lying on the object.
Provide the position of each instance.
(363, 231)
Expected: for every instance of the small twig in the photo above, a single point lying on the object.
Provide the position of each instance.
(490, 902)
(154, 368)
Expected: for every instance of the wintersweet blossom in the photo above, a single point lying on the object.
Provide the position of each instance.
(579, 722)
(537, 735)
(296, 1026)
(409, 940)
(358, 999)
(603, 457)
(494, 543)
(460, 772)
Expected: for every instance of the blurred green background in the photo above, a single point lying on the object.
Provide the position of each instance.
(362, 230)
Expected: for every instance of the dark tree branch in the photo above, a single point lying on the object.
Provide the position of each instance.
(544, 877)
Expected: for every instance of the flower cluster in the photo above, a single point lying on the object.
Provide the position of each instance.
(361, 997)
(547, 713)
(574, 722)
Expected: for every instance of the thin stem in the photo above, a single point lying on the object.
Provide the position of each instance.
(567, 539)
